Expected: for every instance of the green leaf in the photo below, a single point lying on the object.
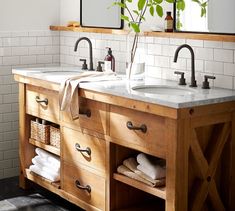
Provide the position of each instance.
(197, 1)
(203, 11)
(204, 4)
(136, 12)
(135, 27)
(158, 1)
(130, 1)
(180, 5)
(141, 4)
(151, 10)
(119, 4)
(170, 1)
(125, 18)
(159, 10)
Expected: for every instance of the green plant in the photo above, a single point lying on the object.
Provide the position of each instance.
(134, 17)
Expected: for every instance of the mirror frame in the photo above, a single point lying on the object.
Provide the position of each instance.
(121, 24)
(196, 32)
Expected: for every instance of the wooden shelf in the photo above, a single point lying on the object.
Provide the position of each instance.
(156, 191)
(144, 207)
(47, 147)
(196, 36)
(52, 186)
(91, 30)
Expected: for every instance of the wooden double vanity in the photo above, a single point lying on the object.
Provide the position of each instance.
(198, 144)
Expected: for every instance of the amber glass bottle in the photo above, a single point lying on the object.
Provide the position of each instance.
(168, 22)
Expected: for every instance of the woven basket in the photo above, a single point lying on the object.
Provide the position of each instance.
(55, 136)
(40, 132)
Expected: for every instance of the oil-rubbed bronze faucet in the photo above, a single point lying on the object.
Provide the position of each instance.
(193, 81)
(90, 50)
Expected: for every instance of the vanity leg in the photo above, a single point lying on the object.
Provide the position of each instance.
(26, 150)
(177, 165)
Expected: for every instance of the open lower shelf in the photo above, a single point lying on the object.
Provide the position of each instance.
(47, 147)
(145, 207)
(156, 191)
(52, 186)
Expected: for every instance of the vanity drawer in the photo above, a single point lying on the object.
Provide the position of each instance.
(92, 190)
(96, 121)
(151, 140)
(75, 141)
(42, 103)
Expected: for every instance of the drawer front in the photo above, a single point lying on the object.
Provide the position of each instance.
(42, 103)
(84, 149)
(84, 185)
(153, 140)
(96, 121)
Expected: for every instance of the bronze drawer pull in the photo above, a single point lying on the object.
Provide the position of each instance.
(86, 112)
(142, 127)
(38, 100)
(87, 150)
(87, 187)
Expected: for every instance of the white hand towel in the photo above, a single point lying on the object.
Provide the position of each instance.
(46, 163)
(53, 159)
(149, 162)
(157, 172)
(68, 93)
(48, 168)
(37, 170)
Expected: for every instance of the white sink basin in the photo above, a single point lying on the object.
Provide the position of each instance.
(62, 72)
(164, 90)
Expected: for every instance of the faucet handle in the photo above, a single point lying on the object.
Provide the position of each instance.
(99, 67)
(84, 65)
(205, 84)
(182, 79)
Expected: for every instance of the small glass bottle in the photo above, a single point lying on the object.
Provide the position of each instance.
(168, 22)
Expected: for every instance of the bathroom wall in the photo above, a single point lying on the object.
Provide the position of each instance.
(212, 58)
(25, 41)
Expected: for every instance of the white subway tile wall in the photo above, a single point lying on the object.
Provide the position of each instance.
(19, 49)
(211, 57)
(48, 48)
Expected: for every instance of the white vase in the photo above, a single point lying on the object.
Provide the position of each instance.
(136, 71)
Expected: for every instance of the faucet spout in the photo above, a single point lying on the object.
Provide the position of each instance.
(193, 80)
(90, 50)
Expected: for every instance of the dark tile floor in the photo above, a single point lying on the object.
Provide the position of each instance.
(36, 199)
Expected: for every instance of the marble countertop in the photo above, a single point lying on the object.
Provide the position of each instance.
(123, 88)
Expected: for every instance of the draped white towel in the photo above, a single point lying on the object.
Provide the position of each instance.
(52, 177)
(48, 157)
(44, 165)
(68, 92)
(153, 167)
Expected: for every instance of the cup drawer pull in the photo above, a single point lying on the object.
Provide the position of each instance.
(142, 128)
(86, 112)
(87, 150)
(38, 100)
(86, 188)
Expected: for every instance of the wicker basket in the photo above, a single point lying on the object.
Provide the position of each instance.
(55, 136)
(40, 132)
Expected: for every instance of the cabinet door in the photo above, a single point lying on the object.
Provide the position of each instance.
(79, 148)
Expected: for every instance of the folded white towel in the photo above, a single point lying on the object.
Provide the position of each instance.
(68, 93)
(44, 166)
(157, 172)
(153, 167)
(131, 164)
(46, 163)
(50, 158)
(51, 177)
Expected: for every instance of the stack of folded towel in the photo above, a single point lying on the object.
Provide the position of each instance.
(46, 165)
(147, 169)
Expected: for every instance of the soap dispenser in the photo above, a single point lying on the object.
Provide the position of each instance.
(109, 61)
